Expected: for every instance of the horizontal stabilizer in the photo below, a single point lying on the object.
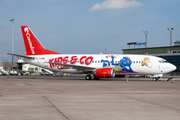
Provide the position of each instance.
(20, 55)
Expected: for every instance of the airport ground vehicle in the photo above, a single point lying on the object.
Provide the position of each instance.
(13, 73)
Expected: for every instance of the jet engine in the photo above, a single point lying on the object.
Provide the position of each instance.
(104, 73)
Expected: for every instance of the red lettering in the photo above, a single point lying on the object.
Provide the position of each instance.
(58, 60)
(82, 60)
(65, 60)
(83, 57)
(90, 60)
(73, 59)
(51, 60)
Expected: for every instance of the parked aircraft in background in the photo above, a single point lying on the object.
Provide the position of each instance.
(94, 65)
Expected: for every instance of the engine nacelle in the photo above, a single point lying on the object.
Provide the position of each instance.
(104, 73)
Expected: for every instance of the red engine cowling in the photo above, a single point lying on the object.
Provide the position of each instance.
(104, 73)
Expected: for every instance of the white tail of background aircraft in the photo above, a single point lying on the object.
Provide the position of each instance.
(94, 65)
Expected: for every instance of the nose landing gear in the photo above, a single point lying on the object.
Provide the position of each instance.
(156, 78)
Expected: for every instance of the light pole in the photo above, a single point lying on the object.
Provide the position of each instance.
(146, 32)
(170, 37)
(12, 40)
(105, 50)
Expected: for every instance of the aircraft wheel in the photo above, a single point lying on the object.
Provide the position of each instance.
(88, 77)
(154, 79)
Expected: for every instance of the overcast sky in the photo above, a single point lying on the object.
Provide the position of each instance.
(88, 26)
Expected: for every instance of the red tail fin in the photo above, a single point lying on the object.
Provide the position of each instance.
(32, 45)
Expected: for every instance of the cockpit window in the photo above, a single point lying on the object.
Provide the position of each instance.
(163, 61)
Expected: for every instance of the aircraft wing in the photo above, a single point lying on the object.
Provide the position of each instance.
(20, 56)
(83, 68)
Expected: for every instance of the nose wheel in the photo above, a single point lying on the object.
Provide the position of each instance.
(156, 78)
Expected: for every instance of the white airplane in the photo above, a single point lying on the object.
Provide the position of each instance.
(94, 65)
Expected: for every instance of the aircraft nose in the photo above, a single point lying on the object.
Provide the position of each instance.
(173, 67)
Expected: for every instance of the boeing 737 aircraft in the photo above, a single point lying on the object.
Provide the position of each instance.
(94, 65)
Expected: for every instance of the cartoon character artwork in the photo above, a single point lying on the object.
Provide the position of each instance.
(116, 68)
(145, 61)
(106, 63)
(123, 66)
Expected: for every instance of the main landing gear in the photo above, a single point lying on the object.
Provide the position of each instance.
(88, 77)
(91, 77)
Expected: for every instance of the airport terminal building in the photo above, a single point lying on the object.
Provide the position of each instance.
(163, 52)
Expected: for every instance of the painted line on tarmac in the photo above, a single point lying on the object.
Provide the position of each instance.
(56, 108)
